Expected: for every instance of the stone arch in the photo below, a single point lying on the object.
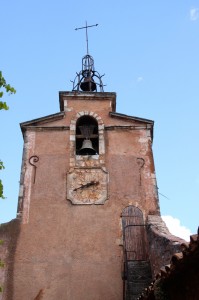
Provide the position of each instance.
(87, 137)
(101, 147)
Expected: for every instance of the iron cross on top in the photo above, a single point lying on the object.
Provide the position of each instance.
(86, 27)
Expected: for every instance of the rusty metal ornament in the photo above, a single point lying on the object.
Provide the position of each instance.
(32, 160)
(140, 162)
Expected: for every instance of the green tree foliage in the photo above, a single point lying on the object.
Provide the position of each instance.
(4, 87)
(8, 88)
(1, 185)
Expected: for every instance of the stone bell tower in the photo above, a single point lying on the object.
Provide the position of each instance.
(88, 202)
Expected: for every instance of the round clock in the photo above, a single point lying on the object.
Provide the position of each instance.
(87, 186)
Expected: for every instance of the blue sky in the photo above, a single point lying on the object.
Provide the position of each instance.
(148, 51)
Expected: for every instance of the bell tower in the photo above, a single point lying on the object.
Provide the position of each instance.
(88, 201)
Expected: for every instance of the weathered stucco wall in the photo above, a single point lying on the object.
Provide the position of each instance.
(67, 251)
(9, 233)
(162, 244)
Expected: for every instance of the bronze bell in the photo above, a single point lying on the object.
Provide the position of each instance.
(87, 148)
(88, 85)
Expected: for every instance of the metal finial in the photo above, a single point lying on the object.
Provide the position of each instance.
(85, 79)
(86, 27)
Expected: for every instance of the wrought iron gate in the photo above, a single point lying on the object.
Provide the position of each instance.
(136, 262)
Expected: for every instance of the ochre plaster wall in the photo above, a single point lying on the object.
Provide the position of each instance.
(71, 252)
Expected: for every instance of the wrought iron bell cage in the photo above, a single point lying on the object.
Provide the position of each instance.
(88, 80)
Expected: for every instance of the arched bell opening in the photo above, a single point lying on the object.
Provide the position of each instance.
(87, 137)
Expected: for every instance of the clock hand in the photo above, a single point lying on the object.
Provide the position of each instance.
(91, 183)
(78, 188)
(87, 185)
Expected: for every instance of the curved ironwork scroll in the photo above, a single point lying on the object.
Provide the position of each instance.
(32, 160)
(140, 162)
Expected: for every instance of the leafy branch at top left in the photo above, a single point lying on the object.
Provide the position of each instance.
(3, 105)
(8, 88)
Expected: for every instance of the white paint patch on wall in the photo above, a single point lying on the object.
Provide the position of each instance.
(30, 147)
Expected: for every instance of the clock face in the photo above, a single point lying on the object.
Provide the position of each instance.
(87, 186)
